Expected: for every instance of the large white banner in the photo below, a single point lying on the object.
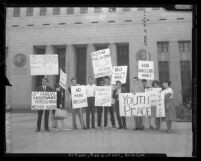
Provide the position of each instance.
(137, 104)
(103, 96)
(102, 65)
(44, 64)
(157, 101)
(119, 73)
(63, 79)
(146, 70)
(79, 96)
(44, 100)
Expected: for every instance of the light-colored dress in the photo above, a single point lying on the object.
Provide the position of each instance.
(170, 113)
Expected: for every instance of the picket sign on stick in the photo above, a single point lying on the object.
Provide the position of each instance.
(63, 79)
(102, 64)
(44, 64)
(146, 70)
(119, 73)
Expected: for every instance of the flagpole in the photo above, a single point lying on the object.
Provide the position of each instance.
(103, 117)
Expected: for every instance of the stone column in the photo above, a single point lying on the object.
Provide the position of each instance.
(90, 49)
(174, 68)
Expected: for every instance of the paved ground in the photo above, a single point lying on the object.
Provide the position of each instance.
(24, 139)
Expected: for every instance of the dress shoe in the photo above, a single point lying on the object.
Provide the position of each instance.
(37, 130)
(48, 130)
(120, 128)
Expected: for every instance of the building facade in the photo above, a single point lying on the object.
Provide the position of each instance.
(73, 33)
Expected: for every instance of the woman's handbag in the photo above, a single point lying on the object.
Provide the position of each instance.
(60, 114)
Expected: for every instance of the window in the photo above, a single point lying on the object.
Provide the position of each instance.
(43, 11)
(162, 47)
(112, 9)
(98, 10)
(141, 9)
(56, 11)
(126, 9)
(16, 12)
(185, 80)
(163, 69)
(70, 10)
(83, 10)
(184, 46)
(29, 11)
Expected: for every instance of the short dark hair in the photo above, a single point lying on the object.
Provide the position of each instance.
(72, 79)
(155, 82)
(144, 80)
(106, 77)
(118, 82)
(45, 79)
(90, 77)
(136, 78)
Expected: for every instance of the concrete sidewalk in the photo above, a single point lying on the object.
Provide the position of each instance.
(24, 139)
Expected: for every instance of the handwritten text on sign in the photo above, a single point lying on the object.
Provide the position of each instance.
(146, 70)
(103, 96)
(157, 101)
(79, 97)
(137, 104)
(44, 100)
(102, 64)
(44, 64)
(63, 79)
(119, 73)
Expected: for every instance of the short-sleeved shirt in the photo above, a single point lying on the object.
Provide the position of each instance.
(90, 90)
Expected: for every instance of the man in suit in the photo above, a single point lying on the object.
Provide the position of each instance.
(121, 119)
(43, 87)
(76, 111)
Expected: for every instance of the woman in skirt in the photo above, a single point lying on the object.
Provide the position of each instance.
(169, 106)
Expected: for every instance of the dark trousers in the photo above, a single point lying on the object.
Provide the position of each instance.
(158, 122)
(40, 114)
(111, 110)
(99, 115)
(80, 116)
(121, 119)
(90, 110)
(138, 122)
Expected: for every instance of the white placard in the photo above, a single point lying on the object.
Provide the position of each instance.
(44, 64)
(63, 79)
(79, 97)
(146, 70)
(44, 100)
(119, 73)
(103, 96)
(102, 64)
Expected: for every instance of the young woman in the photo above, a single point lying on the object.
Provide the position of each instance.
(169, 107)
(155, 84)
(59, 106)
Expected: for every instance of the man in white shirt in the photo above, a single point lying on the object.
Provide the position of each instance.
(90, 90)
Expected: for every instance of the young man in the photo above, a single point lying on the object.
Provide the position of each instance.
(121, 119)
(76, 111)
(43, 87)
(99, 110)
(145, 86)
(111, 109)
(90, 90)
(137, 87)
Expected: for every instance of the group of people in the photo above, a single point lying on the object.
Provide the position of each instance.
(138, 86)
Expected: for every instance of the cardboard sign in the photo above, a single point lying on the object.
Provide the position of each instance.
(44, 64)
(156, 101)
(79, 96)
(44, 100)
(103, 96)
(137, 104)
(119, 73)
(102, 65)
(146, 70)
(63, 79)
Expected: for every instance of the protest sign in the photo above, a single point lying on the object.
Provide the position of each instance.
(44, 64)
(63, 79)
(44, 100)
(103, 96)
(79, 97)
(146, 70)
(137, 104)
(102, 65)
(119, 73)
(156, 101)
